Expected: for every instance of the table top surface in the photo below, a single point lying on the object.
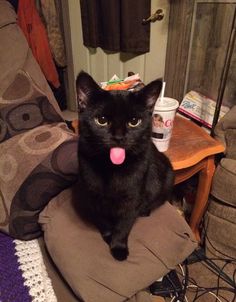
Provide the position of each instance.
(190, 144)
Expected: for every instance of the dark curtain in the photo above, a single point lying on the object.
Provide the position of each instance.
(116, 25)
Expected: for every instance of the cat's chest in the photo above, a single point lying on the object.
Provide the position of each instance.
(110, 182)
(122, 189)
(121, 182)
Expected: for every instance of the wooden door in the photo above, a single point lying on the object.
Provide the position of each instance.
(101, 64)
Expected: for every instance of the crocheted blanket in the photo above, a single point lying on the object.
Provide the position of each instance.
(23, 276)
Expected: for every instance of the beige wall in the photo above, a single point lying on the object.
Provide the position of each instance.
(102, 65)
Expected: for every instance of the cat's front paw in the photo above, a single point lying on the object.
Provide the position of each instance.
(120, 252)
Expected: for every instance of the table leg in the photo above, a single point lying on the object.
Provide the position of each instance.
(203, 190)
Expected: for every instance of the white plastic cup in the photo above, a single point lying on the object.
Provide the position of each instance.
(162, 122)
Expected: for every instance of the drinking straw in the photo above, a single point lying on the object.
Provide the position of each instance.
(162, 92)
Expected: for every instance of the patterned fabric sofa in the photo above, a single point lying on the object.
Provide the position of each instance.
(38, 173)
(34, 136)
(34, 142)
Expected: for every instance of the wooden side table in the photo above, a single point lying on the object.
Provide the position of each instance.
(192, 151)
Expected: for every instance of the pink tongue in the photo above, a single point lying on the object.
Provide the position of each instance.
(117, 155)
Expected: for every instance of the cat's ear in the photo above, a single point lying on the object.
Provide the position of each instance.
(151, 92)
(85, 86)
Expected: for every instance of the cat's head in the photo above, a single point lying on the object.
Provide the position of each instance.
(110, 119)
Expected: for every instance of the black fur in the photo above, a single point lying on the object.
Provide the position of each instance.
(112, 196)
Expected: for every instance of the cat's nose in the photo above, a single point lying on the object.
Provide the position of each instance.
(118, 139)
(118, 134)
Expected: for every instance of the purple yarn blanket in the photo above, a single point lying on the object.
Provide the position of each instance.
(12, 288)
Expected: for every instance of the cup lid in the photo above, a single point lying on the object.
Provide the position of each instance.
(167, 104)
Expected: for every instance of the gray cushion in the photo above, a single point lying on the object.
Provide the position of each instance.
(157, 244)
(227, 122)
(230, 136)
(224, 181)
(220, 223)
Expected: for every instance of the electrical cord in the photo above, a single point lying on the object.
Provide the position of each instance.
(219, 275)
(176, 295)
(200, 290)
(183, 281)
(215, 269)
(190, 285)
(218, 288)
(207, 292)
(185, 298)
(186, 277)
(223, 298)
(221, 259)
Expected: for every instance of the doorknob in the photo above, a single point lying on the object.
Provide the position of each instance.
(157, 16)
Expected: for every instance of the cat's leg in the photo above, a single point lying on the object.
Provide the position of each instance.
(144, 209)
(107, 236)
(145, 213)
(119, 242)
(105, 227)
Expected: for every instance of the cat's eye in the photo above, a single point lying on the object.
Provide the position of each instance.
(101, 121)
(134, 122)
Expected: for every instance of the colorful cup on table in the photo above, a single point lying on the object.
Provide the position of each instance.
(162, 122)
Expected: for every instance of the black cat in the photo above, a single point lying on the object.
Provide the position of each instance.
(121, 173)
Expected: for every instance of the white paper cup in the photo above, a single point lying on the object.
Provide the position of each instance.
(162, 122)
